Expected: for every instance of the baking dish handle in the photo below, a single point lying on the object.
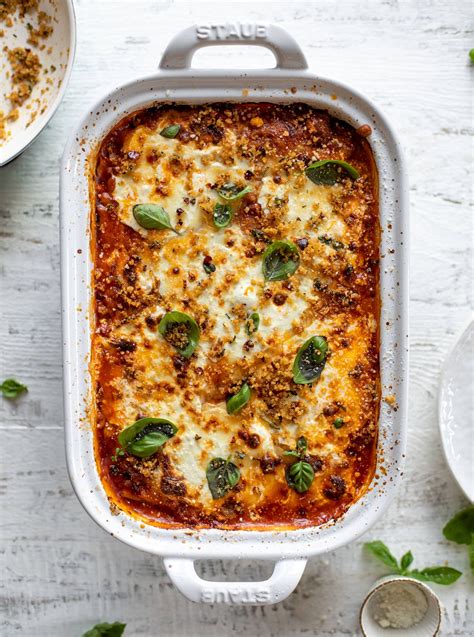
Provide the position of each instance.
(282, 582)
(179, 52)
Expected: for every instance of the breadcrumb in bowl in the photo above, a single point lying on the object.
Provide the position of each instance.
(37, 43)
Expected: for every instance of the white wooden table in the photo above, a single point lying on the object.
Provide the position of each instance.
(60, 573)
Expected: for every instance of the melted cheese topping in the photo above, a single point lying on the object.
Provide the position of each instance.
(142, 274)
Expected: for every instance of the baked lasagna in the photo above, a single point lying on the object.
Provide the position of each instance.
(236, 315)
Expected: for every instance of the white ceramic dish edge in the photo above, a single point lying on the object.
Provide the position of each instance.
(455, 409)
(176, 82)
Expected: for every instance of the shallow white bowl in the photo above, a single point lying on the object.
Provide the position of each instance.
(456, 410)
(427, 627)
(45, 98)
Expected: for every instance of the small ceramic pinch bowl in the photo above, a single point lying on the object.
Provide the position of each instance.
(427, 626)
(56, 56)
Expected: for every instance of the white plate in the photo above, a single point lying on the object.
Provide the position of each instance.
(56, 58)
(456, 411)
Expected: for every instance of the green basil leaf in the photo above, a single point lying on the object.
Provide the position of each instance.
(280, 260)
(328, 171)
(328, 241)
(222, 476)
(252, 323)
(338, 422)
(170, 131)
(461, 527)
(230, 192)
(471, 55)
(222, 215)
(239, 400)
(443, 575)
(301, 445)
(10, 388)
(310, 360)
(406, 561)
(301, 448)
(151, 216)
(300, 476)
(209, 268)
(181, 331)
(471, 553)
(106, 630)
(382, 552)
(146, 436)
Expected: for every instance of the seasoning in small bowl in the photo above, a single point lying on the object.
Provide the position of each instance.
(402, 606)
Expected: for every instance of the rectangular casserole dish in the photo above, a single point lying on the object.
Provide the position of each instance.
(288, 82)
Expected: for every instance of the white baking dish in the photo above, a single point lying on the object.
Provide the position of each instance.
(288, 82)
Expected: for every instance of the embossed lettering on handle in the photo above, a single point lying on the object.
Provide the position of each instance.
(284, 579)
(234, 31)
(179, 52)
(240, 596)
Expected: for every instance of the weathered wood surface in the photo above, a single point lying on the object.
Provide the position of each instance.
(60, 573)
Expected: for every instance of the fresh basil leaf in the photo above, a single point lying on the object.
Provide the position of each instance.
(328, 241)
(241, 398)
(280, 260)
(406, 561)
(181, 331)
(301, 445)
(461, 527)
(382, 552)
(300, 476)
(252, 323)
(471, 553)
(443, 575)
(258, 235)
(106, 630)
(338, 422)
(310, 360)
(10, 388)
(222, 476)
(222, 215)
(146, 436)
(170, 131)
(328, 171)
(230, 192)
(208, 266)
(301, 448)
(151, 216)
(471, 55)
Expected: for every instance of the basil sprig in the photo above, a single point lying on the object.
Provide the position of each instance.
(11, 388)
(310, 360)
(170, 328)
(151, 216)
(328, 171)
(280, 260)
(222, 215)
(231, 192)
(460, 529)
(300, 474)
(170, 131)
(146, 436)
(443, 575)
(239, 400)
(252, 323)
(106, 630)
(222, 476)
